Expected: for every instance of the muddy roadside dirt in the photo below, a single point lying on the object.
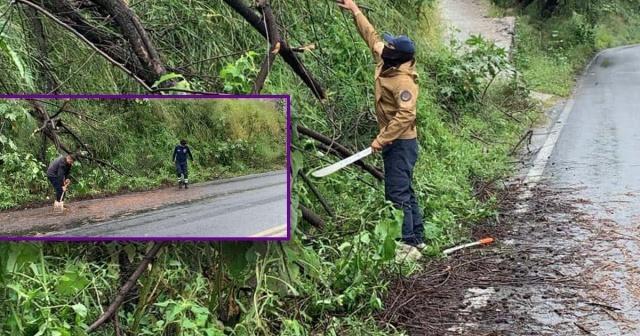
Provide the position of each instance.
(41, 220)
(550, 273)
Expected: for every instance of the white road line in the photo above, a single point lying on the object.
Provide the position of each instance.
(536, 172)
(278, 231)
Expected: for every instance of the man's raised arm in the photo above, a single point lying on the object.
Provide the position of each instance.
(366, 30)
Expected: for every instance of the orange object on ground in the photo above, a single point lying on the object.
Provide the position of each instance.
(487, 241)
(483, 241)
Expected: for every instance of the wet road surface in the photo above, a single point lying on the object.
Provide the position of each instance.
(249, 206)
(597, 154)
(566, 261)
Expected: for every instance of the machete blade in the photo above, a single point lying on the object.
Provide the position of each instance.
(341, 164)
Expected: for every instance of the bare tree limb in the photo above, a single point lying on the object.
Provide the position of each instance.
(316, 192)
(274, 41)
(116, 325)
(86, 41)
(526, 136)
(117, 301)
(131, 28)
(50, 128)
(265, 67)
(311, 217)
(287, 54)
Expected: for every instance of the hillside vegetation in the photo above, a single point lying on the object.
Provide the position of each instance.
(556, 38)
(331, 277)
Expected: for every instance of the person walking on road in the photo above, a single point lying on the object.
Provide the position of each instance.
(180, 154)
(396, 94)
(58, 174)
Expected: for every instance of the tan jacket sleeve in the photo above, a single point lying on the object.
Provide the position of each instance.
(405, 117)
(369, 34)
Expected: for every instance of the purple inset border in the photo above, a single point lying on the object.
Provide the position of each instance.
(169, 96)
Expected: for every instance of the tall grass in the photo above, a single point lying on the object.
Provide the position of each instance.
(554, 47)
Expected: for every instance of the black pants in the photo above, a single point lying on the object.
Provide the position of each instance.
(182, 171)
(399, 159)
(57, 186)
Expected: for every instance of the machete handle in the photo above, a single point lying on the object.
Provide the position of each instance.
(486, 241)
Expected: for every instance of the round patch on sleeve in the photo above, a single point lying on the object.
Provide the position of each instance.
(405, 96)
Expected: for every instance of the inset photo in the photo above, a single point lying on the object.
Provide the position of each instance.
(144, 167)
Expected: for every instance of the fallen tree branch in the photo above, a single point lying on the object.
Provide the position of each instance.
(274, 41)
(116, 325)
(86, 41)
(271, 27)
(113, 307)
(287, 54)
(311, 217)
(52, 126)
(340, 149)
(132, 30)
(527, 135)
(265, 67)
(316, 192)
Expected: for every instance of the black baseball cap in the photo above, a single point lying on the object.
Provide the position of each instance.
(400, 43)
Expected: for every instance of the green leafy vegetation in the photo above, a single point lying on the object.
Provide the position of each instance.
(327, 280)
(554, 42)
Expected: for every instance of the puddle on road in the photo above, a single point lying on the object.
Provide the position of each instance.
(607, 62)
(477, 298)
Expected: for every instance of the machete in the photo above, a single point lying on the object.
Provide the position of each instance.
(341, 164)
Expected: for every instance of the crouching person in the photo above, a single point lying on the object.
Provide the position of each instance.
(180, 154)
(58, 174)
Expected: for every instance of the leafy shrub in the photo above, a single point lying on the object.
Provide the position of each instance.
(462, 79)
(22, 177)
(238, 76)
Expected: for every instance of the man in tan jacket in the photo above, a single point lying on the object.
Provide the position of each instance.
(396, 94)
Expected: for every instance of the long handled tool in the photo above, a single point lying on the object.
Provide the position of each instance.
(61, 202)
(341, 164)
(484, 241)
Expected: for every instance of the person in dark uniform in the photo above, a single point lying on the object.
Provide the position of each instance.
(396, 95)
(58, 174)
(180, 154)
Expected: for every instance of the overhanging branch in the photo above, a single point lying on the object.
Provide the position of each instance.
(287, 54)
(85, 40)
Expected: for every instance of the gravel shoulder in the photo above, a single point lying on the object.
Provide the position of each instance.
(464, 18)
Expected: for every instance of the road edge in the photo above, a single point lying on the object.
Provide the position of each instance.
(534, 174)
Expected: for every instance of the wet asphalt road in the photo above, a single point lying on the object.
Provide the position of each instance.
(254, 207)
(571, 253)
(597, 153)
(600, 143)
